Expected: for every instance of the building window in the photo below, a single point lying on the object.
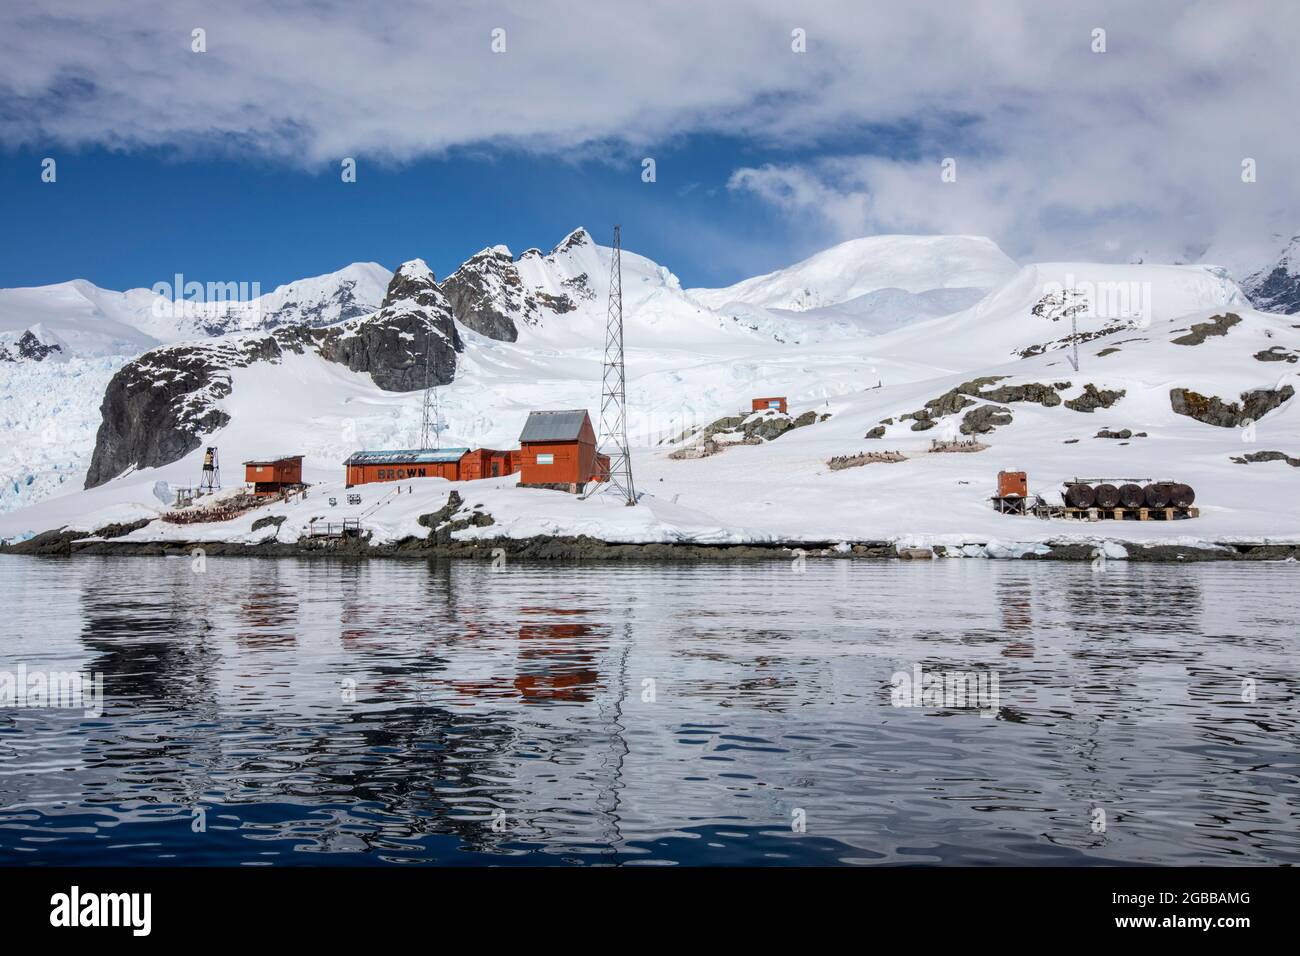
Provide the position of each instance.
(545, 459)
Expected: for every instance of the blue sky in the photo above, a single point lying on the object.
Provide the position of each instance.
(222, 163)
(125, 220)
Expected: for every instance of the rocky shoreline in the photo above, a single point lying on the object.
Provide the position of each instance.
(584, 548)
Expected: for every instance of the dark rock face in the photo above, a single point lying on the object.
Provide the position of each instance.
(159, 407)
(877, 432)
(1276, 287)
(980, 421)
(1200, 331)
(483, 292)
(156, 408)
(487, 294)
(415, 321)
(28, 348)
(1094, 398)
(1212, 410)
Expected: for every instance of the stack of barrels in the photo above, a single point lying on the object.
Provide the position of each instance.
(1156, 494)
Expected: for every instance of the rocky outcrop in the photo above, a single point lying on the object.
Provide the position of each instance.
(489, 295)
(980, 421)
(1200, 331)
(158, 407)
(1212, 410)
(1276, 287)
(963, 395)
(28, 348)
(414, 322)
(1093, 398)
(1277, 353)
(1260, 456)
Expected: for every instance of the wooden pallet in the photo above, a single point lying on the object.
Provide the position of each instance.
(1130, 514)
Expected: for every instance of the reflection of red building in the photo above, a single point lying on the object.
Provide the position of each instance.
(271, 476)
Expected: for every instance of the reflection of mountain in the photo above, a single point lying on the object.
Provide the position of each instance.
(525, 692)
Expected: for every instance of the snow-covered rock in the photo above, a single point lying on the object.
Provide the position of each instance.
(1276, 287)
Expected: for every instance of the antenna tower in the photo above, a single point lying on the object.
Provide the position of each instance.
(431, 423)
(613, 396)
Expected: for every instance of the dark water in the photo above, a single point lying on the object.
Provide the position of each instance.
(736, 714)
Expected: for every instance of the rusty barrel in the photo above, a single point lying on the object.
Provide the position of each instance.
(1157, 495)
(1180, 495)
(1080, 496)
(1107, 496)
(1130, 495)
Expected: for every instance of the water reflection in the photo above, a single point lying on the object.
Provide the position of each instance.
(401, 712)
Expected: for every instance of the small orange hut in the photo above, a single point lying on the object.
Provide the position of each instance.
(487, 463)
(762, 404)
(558, 450)
(271, 476)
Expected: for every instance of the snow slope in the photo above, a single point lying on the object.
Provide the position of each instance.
(688, 365)
(860, 266)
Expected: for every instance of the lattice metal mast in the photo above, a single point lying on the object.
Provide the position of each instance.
(613, 398)
(431, 417)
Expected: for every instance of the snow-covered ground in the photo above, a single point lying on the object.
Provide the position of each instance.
(689, 364)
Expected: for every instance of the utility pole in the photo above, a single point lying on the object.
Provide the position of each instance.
(613, 396)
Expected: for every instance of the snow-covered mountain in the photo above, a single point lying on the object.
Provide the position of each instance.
(79, 318)
(852, 269)
(1276, 287)
(1172, 355)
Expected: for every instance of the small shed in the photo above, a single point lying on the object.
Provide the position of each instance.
(776, 402)
(364, 467)
(272, 476)
(558, 450)
(487, 463)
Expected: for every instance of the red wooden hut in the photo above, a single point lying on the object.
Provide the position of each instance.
(776, 402)
(558, 450)
(272, 476)
(487, 463)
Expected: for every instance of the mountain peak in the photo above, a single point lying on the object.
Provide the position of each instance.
(579, 237)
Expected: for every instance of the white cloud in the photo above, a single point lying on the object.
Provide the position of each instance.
(1060, 150)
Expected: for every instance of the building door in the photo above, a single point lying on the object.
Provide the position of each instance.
(496, 469)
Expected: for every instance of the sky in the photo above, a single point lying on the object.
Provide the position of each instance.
(212, 143)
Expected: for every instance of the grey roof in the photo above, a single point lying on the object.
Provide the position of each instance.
(407, 456)
(554, 426)
(273, 459)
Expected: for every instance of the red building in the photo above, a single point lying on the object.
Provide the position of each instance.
(364, 467)
(762, 404)
(487, 463)
(454, 464)
(558, 450)
(272, 476)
